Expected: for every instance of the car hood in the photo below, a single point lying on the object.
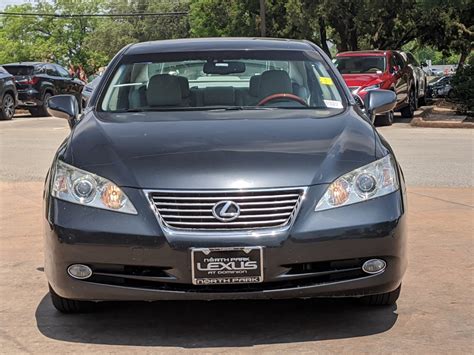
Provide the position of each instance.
(353, 80)
(219, 150)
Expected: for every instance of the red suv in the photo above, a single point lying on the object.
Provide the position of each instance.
(369, 70)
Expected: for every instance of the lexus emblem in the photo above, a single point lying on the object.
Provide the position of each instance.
(226, 211)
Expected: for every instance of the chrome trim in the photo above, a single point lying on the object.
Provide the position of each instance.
(219, 199)
(79, 277)
(374, 272)
(256, 232)
(222, 215)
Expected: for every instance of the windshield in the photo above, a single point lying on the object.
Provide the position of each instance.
(222, 80)
(358, 65)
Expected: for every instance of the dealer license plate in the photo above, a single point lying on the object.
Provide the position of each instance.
(218, 266)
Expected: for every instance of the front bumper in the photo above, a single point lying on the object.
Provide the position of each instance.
(116, 244)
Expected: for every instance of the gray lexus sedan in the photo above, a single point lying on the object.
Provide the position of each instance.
(232, 168)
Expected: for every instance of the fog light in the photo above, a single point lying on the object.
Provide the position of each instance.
(374, 266)
(79, 271)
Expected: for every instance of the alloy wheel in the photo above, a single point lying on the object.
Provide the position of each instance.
(8, 106)
(412, 102)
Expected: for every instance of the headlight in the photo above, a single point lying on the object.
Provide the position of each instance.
(78, 186)
(371, 87)
(370, 181)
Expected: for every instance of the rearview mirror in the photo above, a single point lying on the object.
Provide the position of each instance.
(380, 101)
(64, 106)
(223, 68)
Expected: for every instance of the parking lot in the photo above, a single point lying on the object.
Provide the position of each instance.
(434, 314)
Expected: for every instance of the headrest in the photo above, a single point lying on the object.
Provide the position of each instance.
(216, 96)
(274, 82)
(164, 90)
(253, 85)
(184, 84)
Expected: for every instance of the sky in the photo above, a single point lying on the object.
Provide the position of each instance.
(5, 3)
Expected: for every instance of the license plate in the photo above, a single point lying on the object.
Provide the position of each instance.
(218, 266)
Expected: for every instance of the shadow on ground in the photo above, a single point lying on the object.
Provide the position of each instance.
(197, 324)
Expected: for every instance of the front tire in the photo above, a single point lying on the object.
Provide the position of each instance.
(8, 107)
(382, 299)
(65, 305)
(41, 111)
(409, 110)
(384, 120)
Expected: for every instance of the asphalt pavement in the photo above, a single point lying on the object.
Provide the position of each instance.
(435, 313)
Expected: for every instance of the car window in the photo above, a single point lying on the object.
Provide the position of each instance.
(399, 60)
(288, 79)
(62, 72)
(19, 69)
(360, 64)
(40, 69)
(412, 60)
(51, 70)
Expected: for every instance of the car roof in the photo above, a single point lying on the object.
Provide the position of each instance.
(213, 44)
(375, 53)
(25, 63)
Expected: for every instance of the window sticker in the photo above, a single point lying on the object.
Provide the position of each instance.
(333, 104)
(325, 80)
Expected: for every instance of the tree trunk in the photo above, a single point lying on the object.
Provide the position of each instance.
(323, 36)
(263, 29)
(463, 57)
(352, 28)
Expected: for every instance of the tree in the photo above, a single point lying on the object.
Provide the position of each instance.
(463, 87)
(44, 38)
(299, 19)
(114, 33)
(448, 25)
(217, 18)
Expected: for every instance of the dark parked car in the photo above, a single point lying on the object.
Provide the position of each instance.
(419, 77)
(36, 82)
(440, 87)
(88, 89)
(364, 71)
(8, 95)
(223, 169)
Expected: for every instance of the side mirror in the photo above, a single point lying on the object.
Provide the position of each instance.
(64, 106)
(380, 101)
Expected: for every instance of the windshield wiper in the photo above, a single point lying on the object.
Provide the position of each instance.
(239, 108)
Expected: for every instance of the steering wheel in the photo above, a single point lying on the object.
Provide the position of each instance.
(292, 97)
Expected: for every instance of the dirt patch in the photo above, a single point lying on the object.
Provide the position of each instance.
(442, 114)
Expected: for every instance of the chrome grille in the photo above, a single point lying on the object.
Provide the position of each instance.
(192, 210)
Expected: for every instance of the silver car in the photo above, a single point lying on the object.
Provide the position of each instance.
(419, 76)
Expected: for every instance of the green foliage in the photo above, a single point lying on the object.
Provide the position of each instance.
(217, 18)
(425, 53)
(440, 30)
(463, 88)
(50, 39)
(111, 34)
